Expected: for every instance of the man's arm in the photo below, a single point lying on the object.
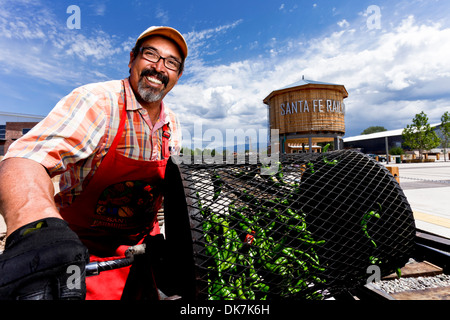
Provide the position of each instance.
(40, 245)
(26, 193)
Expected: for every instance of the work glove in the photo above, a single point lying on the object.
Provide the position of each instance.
(43, 260)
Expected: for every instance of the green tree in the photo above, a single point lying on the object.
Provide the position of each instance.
(187, 151)
(419, 135)
(445, 132)
(396, 151)
(374, 129)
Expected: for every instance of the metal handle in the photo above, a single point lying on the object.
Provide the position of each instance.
(94, 268)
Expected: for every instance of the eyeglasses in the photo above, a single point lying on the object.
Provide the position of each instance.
(153, 56)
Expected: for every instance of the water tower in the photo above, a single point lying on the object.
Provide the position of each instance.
(306, 113)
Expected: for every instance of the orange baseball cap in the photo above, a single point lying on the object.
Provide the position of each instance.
(168, 32)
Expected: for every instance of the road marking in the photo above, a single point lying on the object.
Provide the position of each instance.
(440, 221)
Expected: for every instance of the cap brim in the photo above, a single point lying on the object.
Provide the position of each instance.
(168, 32)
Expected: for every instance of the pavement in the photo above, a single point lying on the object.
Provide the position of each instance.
(427, 189)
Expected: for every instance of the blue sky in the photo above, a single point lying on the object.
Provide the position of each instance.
(240, 51)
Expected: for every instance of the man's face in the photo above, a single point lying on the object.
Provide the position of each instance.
(151, 81)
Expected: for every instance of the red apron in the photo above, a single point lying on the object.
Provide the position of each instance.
(117, 209)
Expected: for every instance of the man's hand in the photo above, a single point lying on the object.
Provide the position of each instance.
(43, 260)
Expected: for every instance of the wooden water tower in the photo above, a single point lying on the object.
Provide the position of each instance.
(306, 113)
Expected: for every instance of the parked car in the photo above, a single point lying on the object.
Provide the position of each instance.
(374, 156)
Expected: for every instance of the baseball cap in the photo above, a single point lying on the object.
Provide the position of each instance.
(168, 32)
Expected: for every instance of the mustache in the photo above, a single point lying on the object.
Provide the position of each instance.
(152, 72)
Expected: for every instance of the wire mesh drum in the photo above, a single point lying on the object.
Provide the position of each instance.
(313, 227)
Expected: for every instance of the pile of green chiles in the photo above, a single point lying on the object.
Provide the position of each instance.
(260, 248)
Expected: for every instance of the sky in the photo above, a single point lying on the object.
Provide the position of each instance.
(393, 57)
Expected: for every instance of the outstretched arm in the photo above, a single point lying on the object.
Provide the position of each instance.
(26, 193)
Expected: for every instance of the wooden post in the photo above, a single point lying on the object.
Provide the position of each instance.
(310, 144)
(394, 171)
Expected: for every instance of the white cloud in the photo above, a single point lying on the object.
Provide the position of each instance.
(99, 8)
(98, 47)
(199, 36)
(343, 23)
(397, 64)
(387, 75)
(36, 43)
(162, 16)
(17, 24)
(198, 40)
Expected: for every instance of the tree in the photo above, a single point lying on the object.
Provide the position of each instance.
(374, 129)
(419, 135)
(397, 151)
(445, 132)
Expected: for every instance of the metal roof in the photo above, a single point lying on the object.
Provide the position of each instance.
(303, 82)
(383, 134)
(18, 117)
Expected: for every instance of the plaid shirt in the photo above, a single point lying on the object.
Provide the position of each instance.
(76, 135)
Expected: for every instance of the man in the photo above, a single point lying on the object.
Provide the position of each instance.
(110, 143)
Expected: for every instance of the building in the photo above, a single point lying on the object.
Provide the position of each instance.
(13, 126)
(307, 113)
(381, 142)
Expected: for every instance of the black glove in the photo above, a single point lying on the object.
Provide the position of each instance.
(43, 260)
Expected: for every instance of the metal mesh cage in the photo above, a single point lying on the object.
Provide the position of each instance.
(310, 229)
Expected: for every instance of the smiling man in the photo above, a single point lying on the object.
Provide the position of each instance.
(153, 76)
(109, 142)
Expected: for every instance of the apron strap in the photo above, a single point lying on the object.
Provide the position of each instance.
(123, 118)
(165, 142)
